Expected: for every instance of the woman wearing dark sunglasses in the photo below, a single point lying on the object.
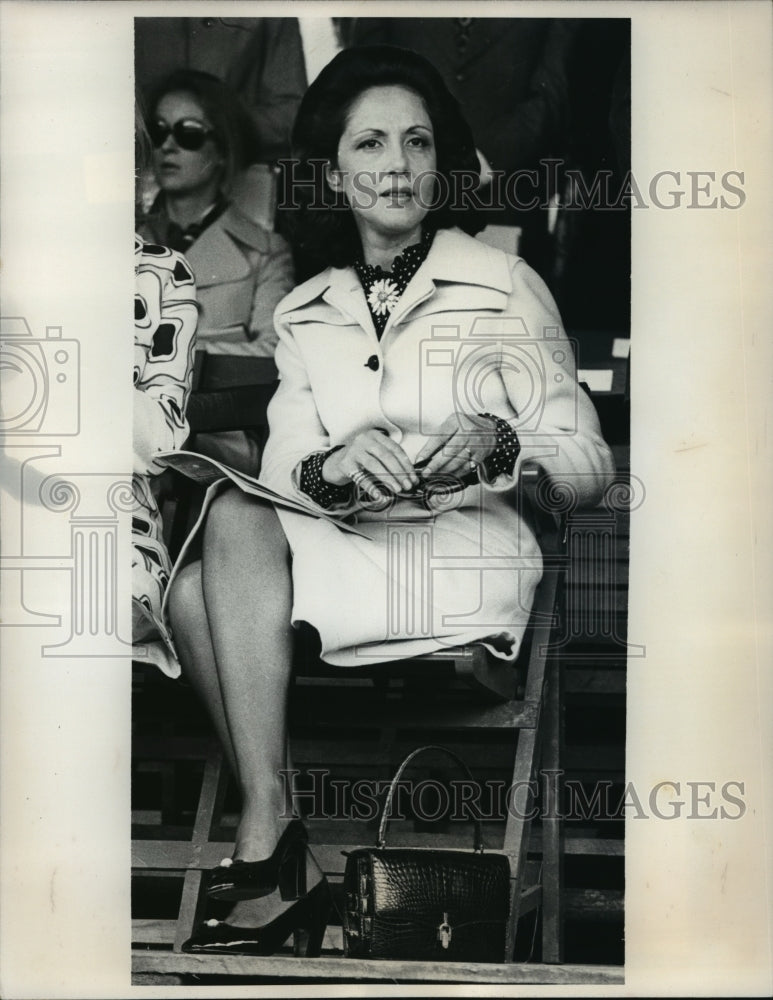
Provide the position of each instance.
(202, 143)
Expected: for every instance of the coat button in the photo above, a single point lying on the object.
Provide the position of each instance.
(372, 363)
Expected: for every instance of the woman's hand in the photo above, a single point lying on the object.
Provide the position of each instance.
(455, 450)
(370, 458)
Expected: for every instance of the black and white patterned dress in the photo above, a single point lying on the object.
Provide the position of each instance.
(165, 317)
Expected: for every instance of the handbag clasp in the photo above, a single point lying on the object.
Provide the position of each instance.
(444, 932)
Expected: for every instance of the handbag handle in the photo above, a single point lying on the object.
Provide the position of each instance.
(386, 814)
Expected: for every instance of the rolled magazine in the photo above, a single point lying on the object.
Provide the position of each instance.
(205, 471)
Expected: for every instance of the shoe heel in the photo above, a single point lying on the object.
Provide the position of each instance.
(307, 940)
(314, 940)
(300, 942)
(292, 874)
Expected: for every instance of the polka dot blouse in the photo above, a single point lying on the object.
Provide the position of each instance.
(384, 288)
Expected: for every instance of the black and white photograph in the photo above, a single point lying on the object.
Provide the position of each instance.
(405, 627)
(379, 218)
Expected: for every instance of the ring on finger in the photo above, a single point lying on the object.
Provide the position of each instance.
(466, 453)
(358, 476)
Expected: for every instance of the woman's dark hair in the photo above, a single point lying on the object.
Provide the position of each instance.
(320, 222)
(234, 132)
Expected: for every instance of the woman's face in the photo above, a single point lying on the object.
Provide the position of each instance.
(386, 160)
(185, 171)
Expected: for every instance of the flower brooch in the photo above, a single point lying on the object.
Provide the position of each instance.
(383, 296)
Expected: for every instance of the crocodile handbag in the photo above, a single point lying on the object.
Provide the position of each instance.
(425, 904)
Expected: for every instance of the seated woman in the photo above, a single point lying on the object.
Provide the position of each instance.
(202, 143)
(418, 355)
(165, 317)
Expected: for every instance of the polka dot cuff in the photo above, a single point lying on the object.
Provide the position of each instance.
(317, 489)
(501, 461)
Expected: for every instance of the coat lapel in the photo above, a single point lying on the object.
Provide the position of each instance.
(216, 257)
(460, 273)
(346, 294)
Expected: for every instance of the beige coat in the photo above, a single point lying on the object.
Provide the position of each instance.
(242, 272)
(475, 331)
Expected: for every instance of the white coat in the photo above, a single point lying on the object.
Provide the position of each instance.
(475, 331)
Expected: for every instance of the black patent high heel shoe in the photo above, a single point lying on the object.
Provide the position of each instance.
(306, 920)
(285, 869)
